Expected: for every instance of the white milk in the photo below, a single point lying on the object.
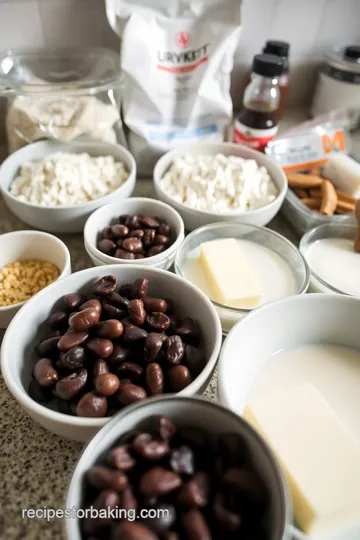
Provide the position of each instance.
(335, 262)
(274, 275)
(334, 370)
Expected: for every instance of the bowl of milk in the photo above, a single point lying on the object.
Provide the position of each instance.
(333, 262)
(292, 369)
(240, 267)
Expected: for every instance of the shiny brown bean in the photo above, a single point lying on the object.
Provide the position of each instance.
(120, 458)
(154, 304)
(107, 499)
(123, 218)
(148, 448)
(195, 360)
(113, 312)
(175, 349)
(150, 222)
(136, 233)
(189, 331)
(179, 378)
(139, 256)
(84, 319)
(134, 334)
(74, 358)
(58, 319)
(72, 339)
(101, 477)
(133, 222)
(196, 491)
(158, 481)
(153, 345)
(164, 229)
(149, 238)
(133, 245)
(106, 233)
(195, 526)
(45, 373)
(73, 301)
(137, 312)
(39, 393)
(110, 329)
(92, 405)
(48, 347)
(99, 347)
(139, 288)
(158, 321)
(105, 286)
(119, 231)
(115, 299)
(123, 254)
(92, 303)
(99, 368)
(129, 370)
(161, 240)
(119, 354)
(155, 250)
(125, 290)
(107, 384)
(130, 393)
(163, 427)
(154, 377)
(68, 387)
(107, 246)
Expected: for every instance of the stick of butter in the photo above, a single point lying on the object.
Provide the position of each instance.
(319, 455)
(344, 172)
(230, 276)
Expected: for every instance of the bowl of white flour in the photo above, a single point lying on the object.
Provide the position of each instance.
(55, 186)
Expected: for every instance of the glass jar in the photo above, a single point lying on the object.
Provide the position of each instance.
(61, 94)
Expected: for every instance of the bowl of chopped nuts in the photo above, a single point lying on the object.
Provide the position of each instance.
(29, 261)
(55, 186)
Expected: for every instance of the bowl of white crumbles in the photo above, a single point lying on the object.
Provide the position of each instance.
(55, 186)
(208, 183)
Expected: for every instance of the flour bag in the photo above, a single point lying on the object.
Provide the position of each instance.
(176, 57)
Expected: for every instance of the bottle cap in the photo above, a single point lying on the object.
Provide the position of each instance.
(353, 52)
(280, 48)
(268, 65)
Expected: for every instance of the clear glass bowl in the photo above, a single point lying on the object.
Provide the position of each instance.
(302, 219)
(260, 235)
(317, 284)
(61, 94)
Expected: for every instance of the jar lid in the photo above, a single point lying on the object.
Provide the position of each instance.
(280, 48)
(345, 58)
(268, 65)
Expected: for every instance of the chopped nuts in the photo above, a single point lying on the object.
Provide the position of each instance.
(20, 280)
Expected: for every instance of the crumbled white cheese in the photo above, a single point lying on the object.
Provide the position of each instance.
(67, 179)
(218, 183)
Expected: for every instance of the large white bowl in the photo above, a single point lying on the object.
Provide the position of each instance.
(109, 214)
(26, 329)
(25, 245)
(197, 218)
(185, 412)
(62, 219)
(285, 324)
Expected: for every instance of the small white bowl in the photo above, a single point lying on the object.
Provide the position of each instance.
(62, 219)
(17, 358)
(285, 324)
(108, 215)
(186, 412)
(197, 218)
(25, 245)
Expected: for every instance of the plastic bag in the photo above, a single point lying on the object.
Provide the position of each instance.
(176, 58)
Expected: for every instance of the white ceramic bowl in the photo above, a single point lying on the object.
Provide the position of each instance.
(24, 245)
(285, 324)
(25, 330)
(62, 219)
(109, 214)
(197, 218)
(185, 412)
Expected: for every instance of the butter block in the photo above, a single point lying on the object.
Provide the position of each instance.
(319, 455)
(344, 172)
(229, 274)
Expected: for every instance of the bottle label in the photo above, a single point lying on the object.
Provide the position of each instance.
(256, 139)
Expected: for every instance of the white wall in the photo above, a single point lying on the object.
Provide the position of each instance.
(312, 26)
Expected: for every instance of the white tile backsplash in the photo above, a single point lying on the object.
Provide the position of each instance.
(311, 26)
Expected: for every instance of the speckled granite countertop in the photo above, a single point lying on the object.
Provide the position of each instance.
(35, 465)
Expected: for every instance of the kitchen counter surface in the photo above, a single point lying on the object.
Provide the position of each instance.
(35, 465)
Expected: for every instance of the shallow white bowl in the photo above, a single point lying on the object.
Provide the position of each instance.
(185, 412)
(197, 218)
(27, 328)
(24, 245)
(109, 214)
(285, 324)
(62, 219)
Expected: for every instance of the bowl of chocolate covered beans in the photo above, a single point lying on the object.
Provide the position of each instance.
(137, 230)
(172, 468)
(95, 342)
